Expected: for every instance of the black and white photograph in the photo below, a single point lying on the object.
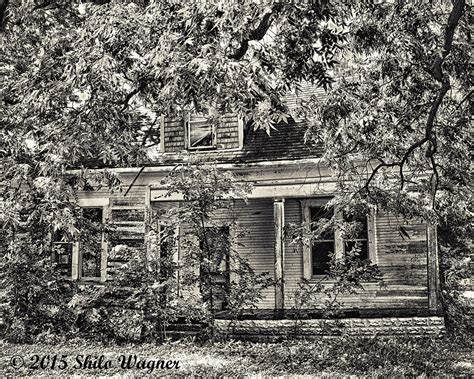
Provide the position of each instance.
(232, 189)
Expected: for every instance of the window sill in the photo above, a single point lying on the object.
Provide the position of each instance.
(83, 285)
(320, 278)
(204, 148)
(89, 280)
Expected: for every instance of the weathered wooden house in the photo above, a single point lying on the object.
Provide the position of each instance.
(289, 186)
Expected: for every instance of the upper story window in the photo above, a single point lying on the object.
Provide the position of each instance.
(201, 133)
(198, 133)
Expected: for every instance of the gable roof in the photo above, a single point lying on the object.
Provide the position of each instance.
(285, 142)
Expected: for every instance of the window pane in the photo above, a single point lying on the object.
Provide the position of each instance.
(91, 242)
(321, 257)
(362, 245)
(323, 246)
(319, 214)
(359, 235)
(200, 133)
(63, 257)
(361, 226)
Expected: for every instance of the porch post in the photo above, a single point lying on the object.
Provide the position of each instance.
(147, 221)
(279, 220)
(433, 269)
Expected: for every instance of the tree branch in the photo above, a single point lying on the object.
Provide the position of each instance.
(430, 135)
(141, 86)
(453, 20)
(255, 35)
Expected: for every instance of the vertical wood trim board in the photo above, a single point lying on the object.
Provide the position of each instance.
(279, 220)
(105, 244)
(433, 277)
(162, 133)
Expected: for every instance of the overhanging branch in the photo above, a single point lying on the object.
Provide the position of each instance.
(255, 35)
(430, 133)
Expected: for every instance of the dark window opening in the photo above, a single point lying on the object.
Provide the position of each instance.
(214, 269)
(62, 253)
(91, 243)
(167, 249)
(323, 246)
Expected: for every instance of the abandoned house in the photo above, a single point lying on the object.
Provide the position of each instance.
(288, 187)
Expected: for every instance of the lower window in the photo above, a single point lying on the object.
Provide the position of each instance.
(323, 247)
(62, 256)
(333, 242)
(81, 259)
(90, 250)
(359, 239)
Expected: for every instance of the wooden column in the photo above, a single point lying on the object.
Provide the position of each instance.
(75, 261)
(147, 223)
(279, 221)
(104, 243)
(433, 269)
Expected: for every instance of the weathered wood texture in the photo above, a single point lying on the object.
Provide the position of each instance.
(402, 262)
(227, 134)
(300, 96)
(279, 223)
(254, 237)
(174, 133)
(257, 243)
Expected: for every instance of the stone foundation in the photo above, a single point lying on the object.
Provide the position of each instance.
(280, 329)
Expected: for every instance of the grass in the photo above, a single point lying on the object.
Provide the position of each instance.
(334, 357)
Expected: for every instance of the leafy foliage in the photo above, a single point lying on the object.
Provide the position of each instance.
(79, 76)
(341, 356)
(152, 289)
(396, 125)
(210, 260)
(34, 296)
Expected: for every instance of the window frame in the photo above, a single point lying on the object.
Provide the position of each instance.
(188, 122)
(318, 240)
(339, 242)
(356, 240)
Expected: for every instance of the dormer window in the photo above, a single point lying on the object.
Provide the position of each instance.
(201, 133)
